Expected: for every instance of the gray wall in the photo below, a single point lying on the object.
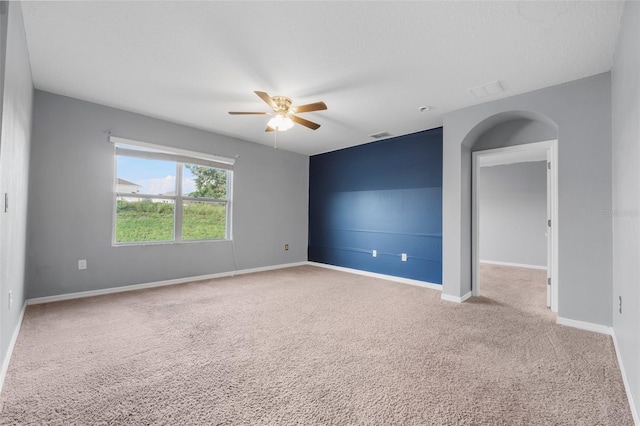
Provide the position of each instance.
(17, 98)
(625, 82)
(512, 200)
(581, 112)
(513, 130)
(70, 218)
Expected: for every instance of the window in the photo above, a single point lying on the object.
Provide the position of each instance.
(165, 195)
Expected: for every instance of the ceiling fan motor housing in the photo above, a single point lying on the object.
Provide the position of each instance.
(283, 103)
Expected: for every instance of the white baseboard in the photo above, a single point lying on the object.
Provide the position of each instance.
(517, 265)
(269, 268)
(12, 344)
(401, 280)
(589, 326)
(627, 386)
(455, 299)
(91, 293)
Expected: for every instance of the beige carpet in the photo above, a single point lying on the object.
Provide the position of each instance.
(310, 346)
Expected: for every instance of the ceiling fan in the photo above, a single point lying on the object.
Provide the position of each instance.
(284, 113)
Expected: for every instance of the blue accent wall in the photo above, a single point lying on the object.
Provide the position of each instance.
(384, 196)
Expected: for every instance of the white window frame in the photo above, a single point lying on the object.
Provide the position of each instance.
(180, 157)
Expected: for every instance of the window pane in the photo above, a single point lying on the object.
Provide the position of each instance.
(201, 181)
(139, 175)
(143, 220)
(204, 220)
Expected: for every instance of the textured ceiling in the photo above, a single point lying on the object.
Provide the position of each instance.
(373, 63)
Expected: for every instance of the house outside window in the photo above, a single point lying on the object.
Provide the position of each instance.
(168, 195)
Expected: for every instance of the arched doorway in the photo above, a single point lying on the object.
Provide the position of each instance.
(514, 138)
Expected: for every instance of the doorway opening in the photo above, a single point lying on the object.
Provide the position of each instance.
(545, 153)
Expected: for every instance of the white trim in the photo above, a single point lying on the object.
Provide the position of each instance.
(505, 150)
(627, 386)
(514, 157)
(589, 326)
(455, 299)
(475, 226)
(270, 268)
(516, 265)
(551, 146)
(401, 280)
(555, 226)
(91, 293)
(12, 344)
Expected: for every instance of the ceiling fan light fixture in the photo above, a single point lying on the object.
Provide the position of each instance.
(280, 123)
(285, 115)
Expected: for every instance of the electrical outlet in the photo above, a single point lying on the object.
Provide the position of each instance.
(10, 299)
(82, 264)
(286, 246)
(374, 253)
(404, 257)
(620, 304)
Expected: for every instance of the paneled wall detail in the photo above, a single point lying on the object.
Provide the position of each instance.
(384, 196)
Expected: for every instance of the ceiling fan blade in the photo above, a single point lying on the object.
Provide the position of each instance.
(269, 129)
(265, 97)
(316, 106)
(248, 113)
(305, 123)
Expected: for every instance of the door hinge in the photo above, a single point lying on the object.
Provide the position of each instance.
(549, 165)
(548, 281)
(549, 223)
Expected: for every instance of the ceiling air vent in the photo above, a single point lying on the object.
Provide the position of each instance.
(487, 90)
(380, 135)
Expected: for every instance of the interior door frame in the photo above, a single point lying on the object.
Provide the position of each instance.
(549, 147)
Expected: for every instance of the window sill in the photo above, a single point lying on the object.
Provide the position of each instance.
(168, 243)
